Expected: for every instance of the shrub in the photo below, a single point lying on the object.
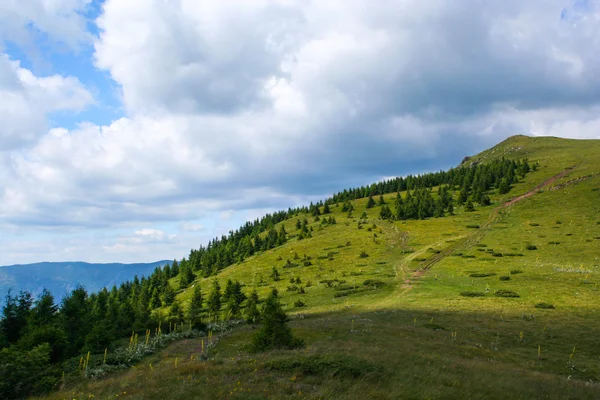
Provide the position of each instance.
(553, 242)
(419, 259)
(545, 306)
(534, 224)
(373, 282)
(481, 274)
(506, 293)
(497, 254)
(435, 327)
(473, 226)
(472, 294)
(531, 247)
(347, 292)
(468, 256)
(299, 303)
(516, 271)
(504, 278)
(363, 254)
(338, 366)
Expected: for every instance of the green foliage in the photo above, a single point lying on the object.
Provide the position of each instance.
(545, 306)
(504, 278)
(472, 294)
(194, 313)
(26, 373)
(252, 314)
(505, 293)
(370, 202)
(274, 334)
(338, 366)
(481, 274)
(214, 300)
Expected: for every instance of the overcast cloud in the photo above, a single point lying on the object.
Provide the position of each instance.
(234, 108)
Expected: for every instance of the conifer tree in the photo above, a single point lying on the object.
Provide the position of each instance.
(214, 300)
(252, 314)
(370, 202)
(274, 334)
(168, 295)
(194, 314)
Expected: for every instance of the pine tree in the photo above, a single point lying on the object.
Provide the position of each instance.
(381, 200)
(399, 205)
(14, 315)
(370, 202)
(194, 314)
(326, 209)
(214, 300)
(469, 206)
(274, 334)
(252, 314)
(176, 313)
(504, 186)
(385, 213)
(168, 295)
(275, 275)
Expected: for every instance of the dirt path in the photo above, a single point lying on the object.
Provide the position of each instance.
(470, 240)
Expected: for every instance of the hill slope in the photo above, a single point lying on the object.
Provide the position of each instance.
(500, 302)
(62, 277)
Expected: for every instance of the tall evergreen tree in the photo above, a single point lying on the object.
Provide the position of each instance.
(194, 314)
(214, 300)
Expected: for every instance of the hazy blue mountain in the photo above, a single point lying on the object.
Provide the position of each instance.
(62, 277)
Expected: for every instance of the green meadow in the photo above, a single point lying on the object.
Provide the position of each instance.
(501, 302)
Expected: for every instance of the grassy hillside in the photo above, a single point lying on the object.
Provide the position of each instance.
(501, 302)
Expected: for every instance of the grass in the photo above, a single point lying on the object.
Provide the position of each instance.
(452, 331)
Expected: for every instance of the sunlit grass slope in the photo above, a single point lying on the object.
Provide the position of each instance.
(380, 326)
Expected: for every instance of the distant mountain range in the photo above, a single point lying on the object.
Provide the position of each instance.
(62, 277)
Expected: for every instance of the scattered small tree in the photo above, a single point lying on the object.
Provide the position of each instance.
(274, 334)
(370, 202)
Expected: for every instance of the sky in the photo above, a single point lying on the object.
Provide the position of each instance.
(136, 130)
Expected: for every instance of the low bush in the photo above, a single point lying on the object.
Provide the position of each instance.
(339, 366)
(545, 306)
(504, 278)
(374, 283)
(516, 271)
(472, 294)
(531, 247)
(505, 293)
(473, 226)
(299, 303)
(481, 274)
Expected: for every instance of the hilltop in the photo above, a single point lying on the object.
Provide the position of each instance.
(495, 302)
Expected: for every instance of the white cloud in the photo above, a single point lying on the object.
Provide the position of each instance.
(27, 100)
(61, 20)
(261, 105)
